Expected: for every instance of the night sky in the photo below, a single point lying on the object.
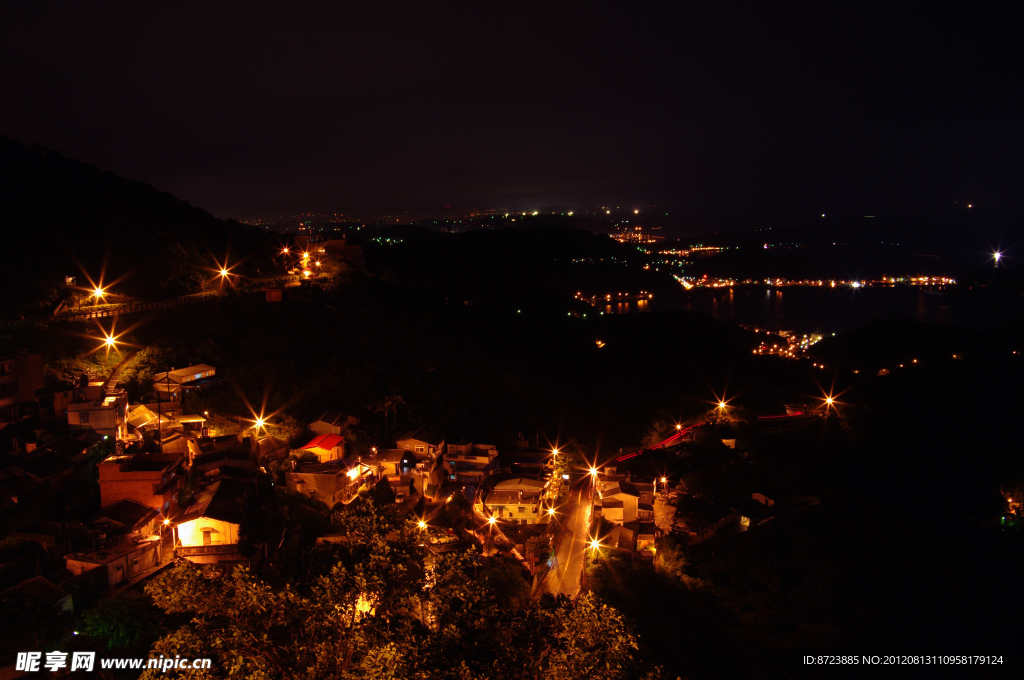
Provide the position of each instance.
(251, 110)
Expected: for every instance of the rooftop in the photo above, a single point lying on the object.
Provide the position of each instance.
(128, 544)
(422, 435)
(130, 513)
(223, 500)
(325, 441)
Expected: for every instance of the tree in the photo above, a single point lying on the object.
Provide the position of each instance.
(364, 608)
(385, 406)
(122, 622)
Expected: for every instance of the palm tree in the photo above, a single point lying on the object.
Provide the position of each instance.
(385, 406)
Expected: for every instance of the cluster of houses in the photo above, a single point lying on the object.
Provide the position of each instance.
(190, 499)
(628, 505)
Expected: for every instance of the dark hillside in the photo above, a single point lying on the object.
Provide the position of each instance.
(57, 213)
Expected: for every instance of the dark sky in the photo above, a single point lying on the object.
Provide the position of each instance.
(251, 110)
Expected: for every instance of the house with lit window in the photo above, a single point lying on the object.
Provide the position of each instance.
(100, 411)
(190, 377)
(424, 444)
(326, 447)
(210, 530)
(517, 499)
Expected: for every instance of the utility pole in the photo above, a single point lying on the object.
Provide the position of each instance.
(159, 411)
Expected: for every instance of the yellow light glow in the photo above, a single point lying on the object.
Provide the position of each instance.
(421, 524)
(259, 423)
(166, 522)
(679, 427)
(551, 511)
(828, 400)
(109, 342)
(554, 451)
(721, 404)
(306, 273)
(593, 472)
(353, 473)
(492, 520)
(223, 272)
(594, 545)
(663, 480)
(99, 292)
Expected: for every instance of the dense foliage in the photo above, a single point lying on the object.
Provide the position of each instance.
(364, 607)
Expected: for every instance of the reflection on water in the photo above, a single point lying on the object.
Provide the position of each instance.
(626, 307)
(835, 309)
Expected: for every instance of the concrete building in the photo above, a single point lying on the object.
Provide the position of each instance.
(150, 479)
(625, 502)
(123, 560)
(469, 463)
(517, 499)
(20, 376)
(329, 483)
(103, 412)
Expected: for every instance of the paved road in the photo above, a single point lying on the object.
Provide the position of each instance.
(567, 570)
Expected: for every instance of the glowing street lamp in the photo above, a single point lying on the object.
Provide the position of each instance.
(99, 292)
(593, 472)
(721, 405)
(492, 520)
(594, 544)
(421, 524)
(223, 272)
(679, 427)
(997, 256)
(110, 341)
(551, 512)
